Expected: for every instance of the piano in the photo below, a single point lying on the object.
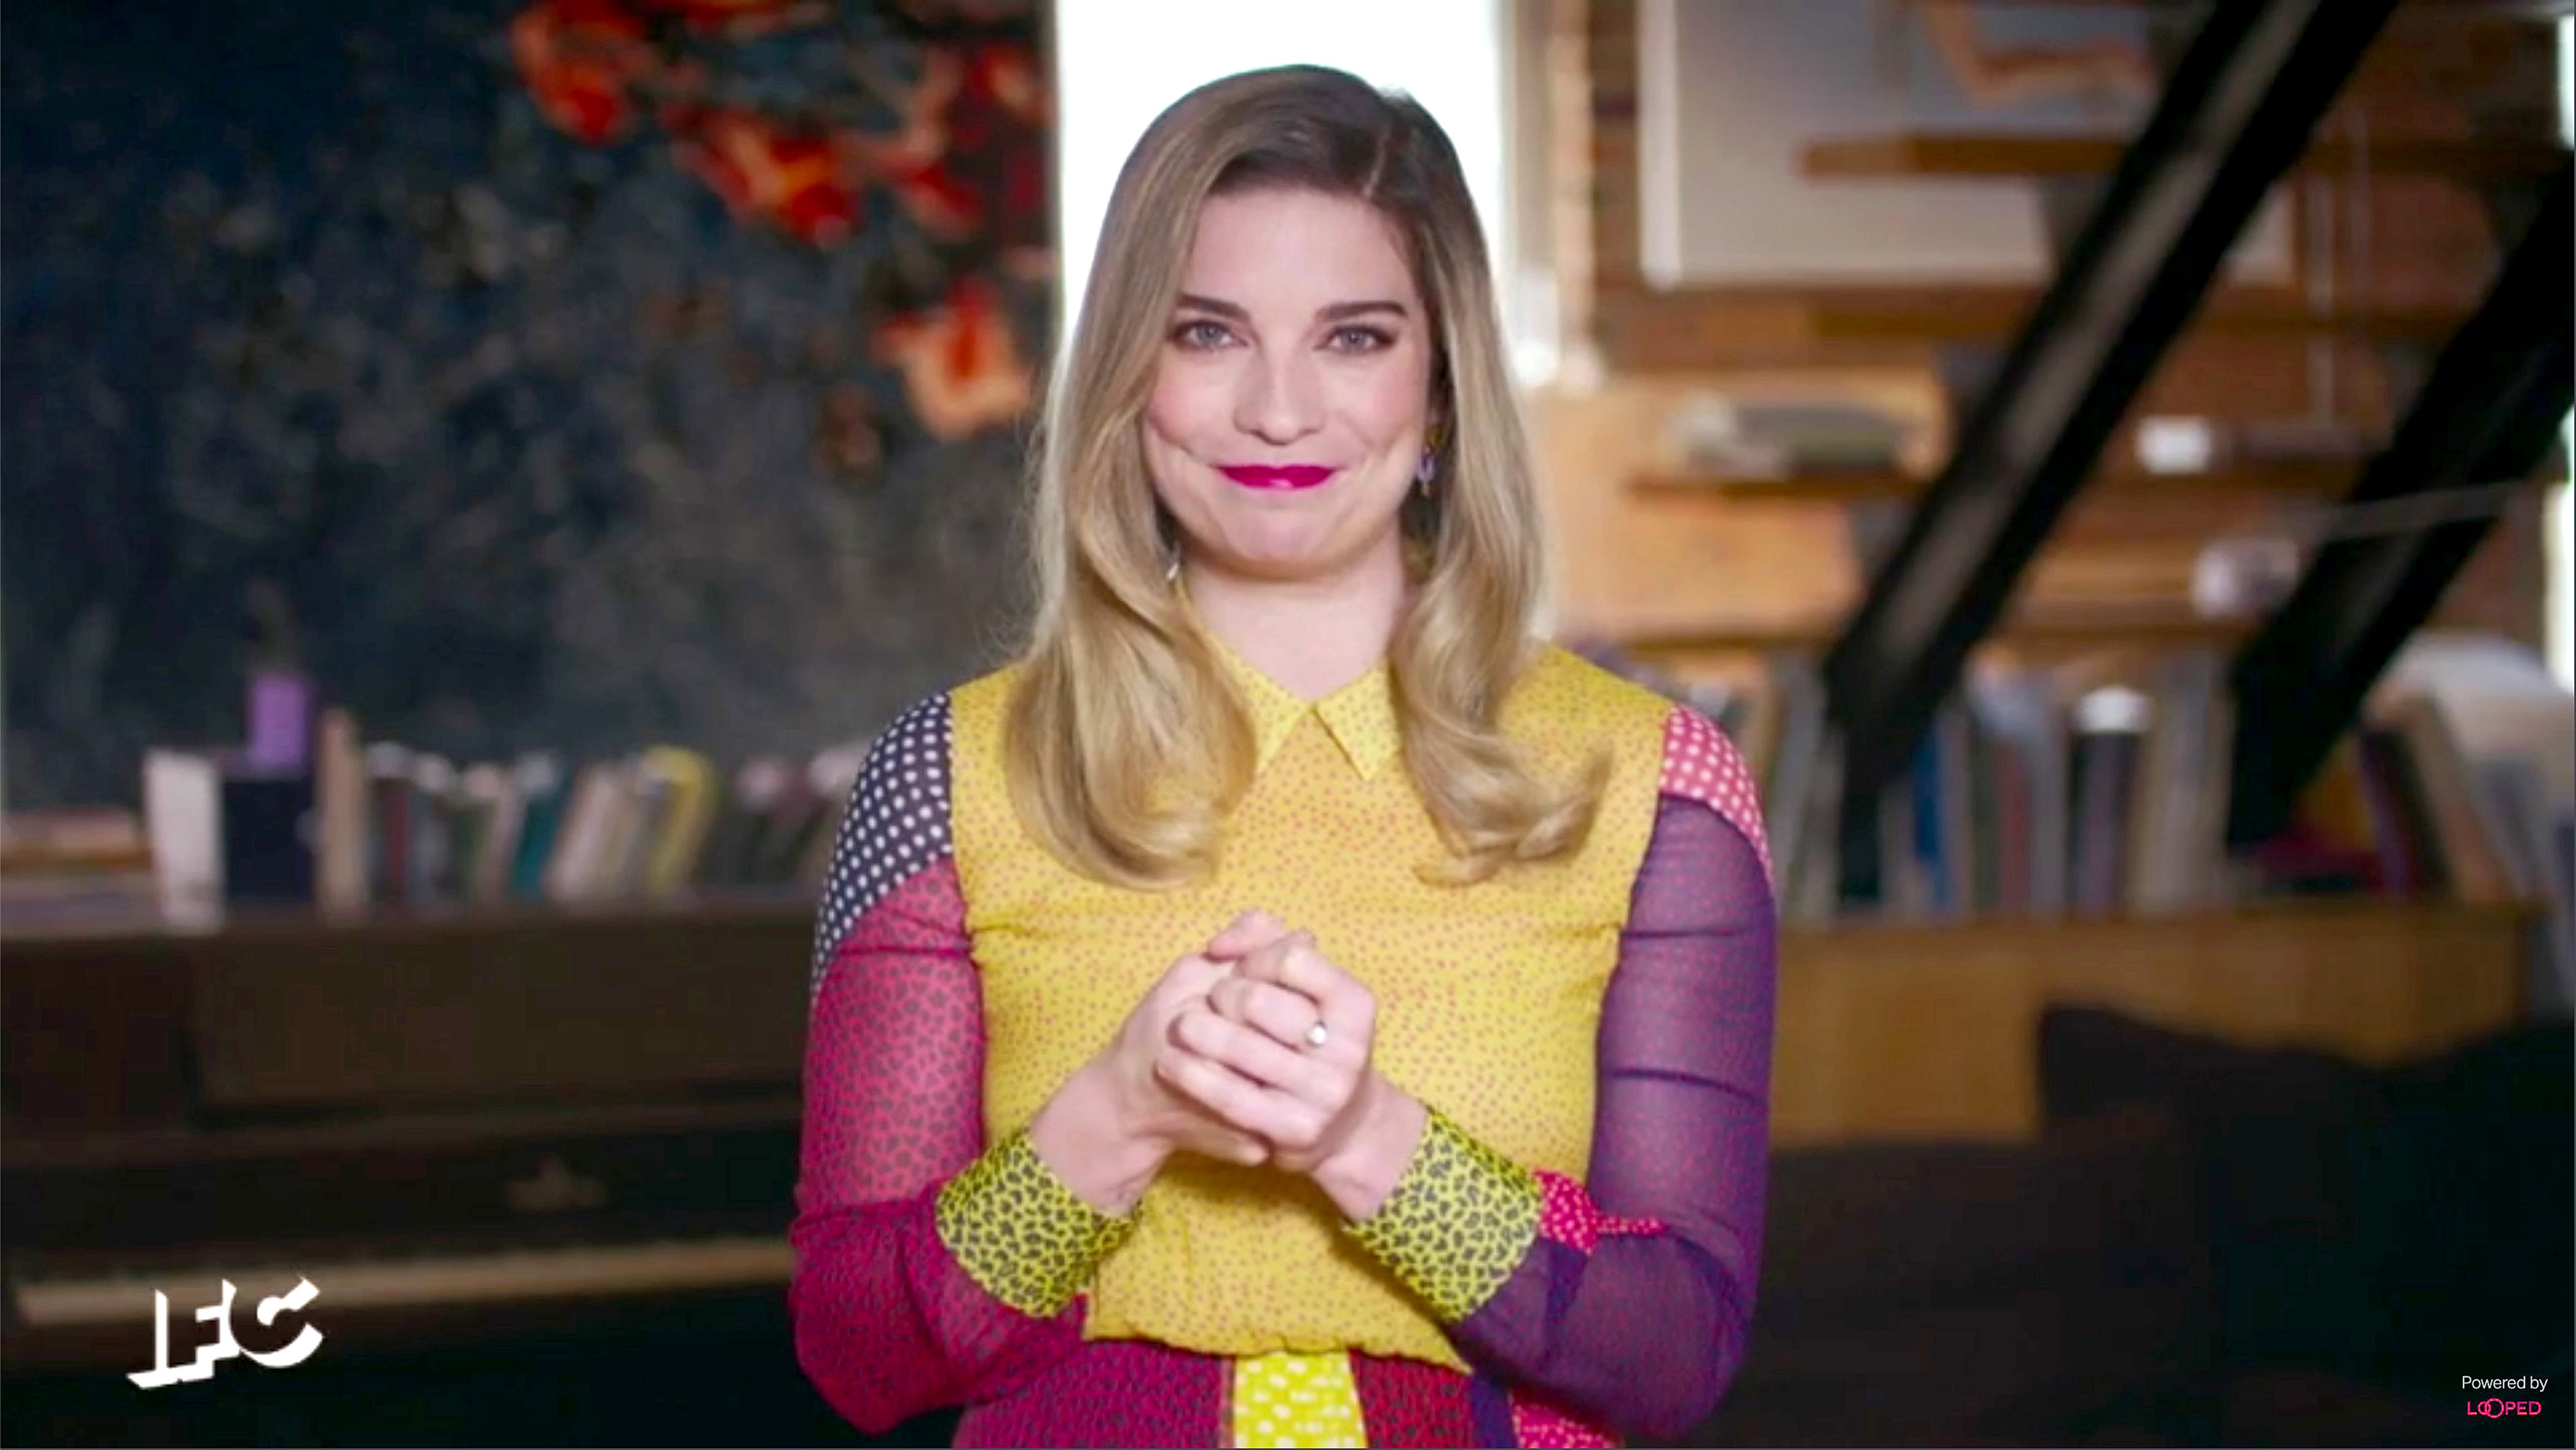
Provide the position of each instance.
(485, 1127)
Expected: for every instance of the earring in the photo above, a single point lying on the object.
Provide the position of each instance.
(1172, 568)
(1425, 471)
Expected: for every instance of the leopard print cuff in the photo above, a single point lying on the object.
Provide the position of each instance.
(1018, 1231)
(1459, 1221)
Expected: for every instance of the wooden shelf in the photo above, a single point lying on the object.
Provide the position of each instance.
(1697, 328)
(1865, 485)
(289, 1011)
(494, 923)
(1970, 314)
(2003, 157)
(2048, 632)
(2044, 935)
(1929, 1030)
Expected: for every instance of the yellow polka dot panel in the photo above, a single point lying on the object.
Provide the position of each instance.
(1296, 1400)
(1489, 995)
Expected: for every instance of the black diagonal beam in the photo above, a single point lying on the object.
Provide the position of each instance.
(2244, 96)
(2486, 414)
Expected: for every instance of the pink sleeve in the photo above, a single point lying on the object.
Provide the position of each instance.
(1631, 1310)
(888, 1325)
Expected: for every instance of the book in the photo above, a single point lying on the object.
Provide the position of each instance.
(341, 801)
(672, 858)
(183, 814)
(2400, 825)
(538, 779)
(262, 818)
(2456, 814)
(492, 801)
(389, 792)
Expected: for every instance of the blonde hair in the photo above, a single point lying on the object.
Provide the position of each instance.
(1128, 744)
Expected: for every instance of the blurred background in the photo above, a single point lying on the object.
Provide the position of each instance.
(476, 474)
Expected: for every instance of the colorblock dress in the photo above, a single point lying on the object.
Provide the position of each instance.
(1569, 1258)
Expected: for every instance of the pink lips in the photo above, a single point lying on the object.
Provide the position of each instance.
(1290, 475)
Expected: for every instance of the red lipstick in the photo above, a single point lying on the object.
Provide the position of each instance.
(1277, 476)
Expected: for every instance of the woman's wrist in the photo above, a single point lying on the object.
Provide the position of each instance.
(1084, 1136)
(1360, 1174)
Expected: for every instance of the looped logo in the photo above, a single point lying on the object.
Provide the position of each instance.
(223, 1346)
(2496, 1409)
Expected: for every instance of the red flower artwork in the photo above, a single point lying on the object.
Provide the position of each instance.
(966, 158)
(961, 366)
(970, 152)
(739, 17)
(795, 182)
(964, 161)
(581, 60)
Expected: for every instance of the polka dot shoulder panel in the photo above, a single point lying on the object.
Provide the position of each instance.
(1702, 764)
(896, 825)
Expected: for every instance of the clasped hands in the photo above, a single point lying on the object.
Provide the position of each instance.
(1221, 1058)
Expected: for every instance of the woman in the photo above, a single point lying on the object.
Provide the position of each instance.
(1288, 1005)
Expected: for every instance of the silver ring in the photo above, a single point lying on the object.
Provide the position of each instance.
(1319, 1034)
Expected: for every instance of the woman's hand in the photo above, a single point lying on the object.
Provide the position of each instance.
(1107, 1131)
(1252, 1057)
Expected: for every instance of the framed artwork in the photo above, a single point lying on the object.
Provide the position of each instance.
(533, 374)
(1751, 155)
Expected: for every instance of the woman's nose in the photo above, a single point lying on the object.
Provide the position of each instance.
(1280, 401)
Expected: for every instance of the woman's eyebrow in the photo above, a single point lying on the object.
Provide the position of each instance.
(1337, 312)
(1345, 311)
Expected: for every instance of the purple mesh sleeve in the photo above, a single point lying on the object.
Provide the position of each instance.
(1631, 1310)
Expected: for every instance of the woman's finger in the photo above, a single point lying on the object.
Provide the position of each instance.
(1285, 1017)
(1213, 1137)
(1192, 975)
(1295, 963)
(1254, 1054)
(1238, 1101)
(1248, 932)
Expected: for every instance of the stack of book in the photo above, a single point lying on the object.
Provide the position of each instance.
(370, 824)
(80, 866)
(1737, 440)
(403, 826)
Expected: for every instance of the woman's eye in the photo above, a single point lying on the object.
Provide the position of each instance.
(1201, 335)
(1359, 339)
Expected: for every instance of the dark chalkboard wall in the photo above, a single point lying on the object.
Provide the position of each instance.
(568, 375)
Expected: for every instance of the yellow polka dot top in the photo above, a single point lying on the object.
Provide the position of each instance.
(1489, 995)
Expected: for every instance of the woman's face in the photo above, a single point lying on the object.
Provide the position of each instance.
(1290, 401)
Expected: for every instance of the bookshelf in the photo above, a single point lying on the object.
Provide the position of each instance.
(1912, 1030)
(1886, 1028)
(1954, 999)
(1683, 329)
(2053, 632)
(1993, 314)
(1889, 1026)
(1997, 156)
(281, 1010)
(495, 924)
(2290, 479)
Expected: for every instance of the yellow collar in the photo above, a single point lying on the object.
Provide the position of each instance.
(1360, 715)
